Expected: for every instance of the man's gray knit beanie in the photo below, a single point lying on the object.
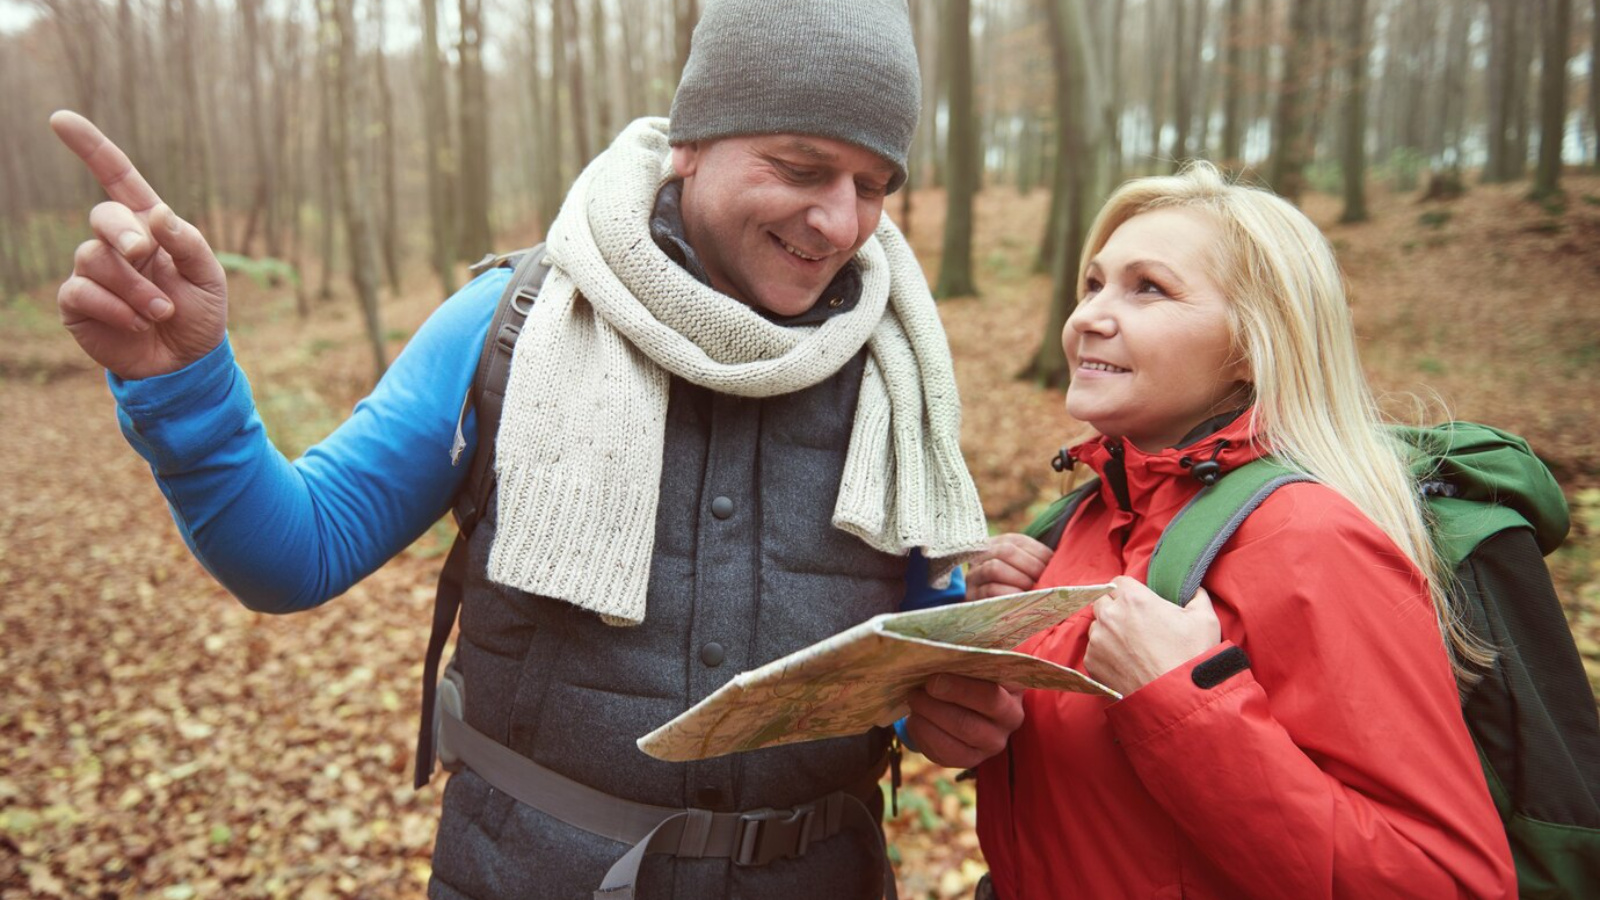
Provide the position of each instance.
(842, 69)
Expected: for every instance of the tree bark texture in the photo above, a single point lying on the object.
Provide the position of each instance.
(1552, 98)
(1079, 114)
(955, 269)
(1353, 153)
(1289, 132)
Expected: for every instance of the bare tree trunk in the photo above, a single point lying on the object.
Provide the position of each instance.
(955, 269)
(477, 235)
(1552, 98)
(556, 184)
(250, 14)
(1233, 80)
(1183, 56)
(436, 132)
(196, 133)
(1289, 134)
(1113, 126)
(1528, 40)
(128, 76)
(1502, 88)
(1079, 113)
(1453, 89)
(342, 64)
(78, 26)
(567, 12)
(1594, 77)
(1355, 113)
(605, 126)
(1207, 84)
(327, 201)
(388, 166)
(1157, 49)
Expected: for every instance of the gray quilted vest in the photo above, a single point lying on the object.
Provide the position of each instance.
(747, 567)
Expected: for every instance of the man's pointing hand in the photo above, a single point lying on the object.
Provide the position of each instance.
(146, 296)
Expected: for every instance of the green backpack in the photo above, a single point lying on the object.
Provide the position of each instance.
(1495, 512)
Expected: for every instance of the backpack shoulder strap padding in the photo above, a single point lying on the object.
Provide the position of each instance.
(487, 394)
(1196, 535)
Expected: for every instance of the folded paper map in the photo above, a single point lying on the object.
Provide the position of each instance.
(861, 677)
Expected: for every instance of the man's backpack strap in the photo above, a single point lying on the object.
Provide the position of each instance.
(1197, 534)
(487, 395)
(488, 391)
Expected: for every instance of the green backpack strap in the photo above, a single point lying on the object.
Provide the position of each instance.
(1197, 534)
(1048, 526)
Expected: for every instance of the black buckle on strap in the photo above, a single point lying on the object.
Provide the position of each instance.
(767, 834)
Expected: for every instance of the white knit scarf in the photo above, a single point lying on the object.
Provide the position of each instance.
(580, 444)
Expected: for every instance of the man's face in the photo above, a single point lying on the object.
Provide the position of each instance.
(774, 217)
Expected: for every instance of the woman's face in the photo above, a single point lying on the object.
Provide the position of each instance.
(1149, 344)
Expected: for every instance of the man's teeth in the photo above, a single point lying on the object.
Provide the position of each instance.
(1101, 367)
(791, 248)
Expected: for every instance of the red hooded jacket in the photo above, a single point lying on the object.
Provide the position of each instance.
(1336, 764)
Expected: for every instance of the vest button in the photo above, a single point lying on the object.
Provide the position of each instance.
(722, 507)
(712, 654)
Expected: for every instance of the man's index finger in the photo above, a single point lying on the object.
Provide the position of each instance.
(106, 161)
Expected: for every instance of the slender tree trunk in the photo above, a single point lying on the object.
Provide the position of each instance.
(955, 270)
(1078, 109)
(340, 56)
(476, 236)
(1594, 77)
(580, 106)
(605, 126)
(1552, 98)
(1289, 133)
(129, 74)
(327, 200)
(388, 164)
(556, 183)
(1233, 80)
(1355, 113)
(633, 68)
(436, 133)
(1182, 84)
(196, 134)
(1206, 83)
(1157, 49)
(1113, 126)
(1528, 39)
(1453, 89)
(250, 15)
(1502, 88)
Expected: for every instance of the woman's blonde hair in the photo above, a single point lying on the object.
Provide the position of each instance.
(1291, 322)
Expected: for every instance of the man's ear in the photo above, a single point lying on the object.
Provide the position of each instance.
(685, 158)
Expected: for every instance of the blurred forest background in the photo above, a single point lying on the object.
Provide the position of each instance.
(349, 158)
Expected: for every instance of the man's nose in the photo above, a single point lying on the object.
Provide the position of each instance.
(833, 214)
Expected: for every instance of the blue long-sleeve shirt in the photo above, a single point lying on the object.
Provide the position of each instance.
(285, 536)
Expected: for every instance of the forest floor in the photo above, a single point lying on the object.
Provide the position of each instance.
(157, 739)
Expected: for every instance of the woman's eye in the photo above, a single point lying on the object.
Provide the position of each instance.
(1146, 286)
(1091, 286)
